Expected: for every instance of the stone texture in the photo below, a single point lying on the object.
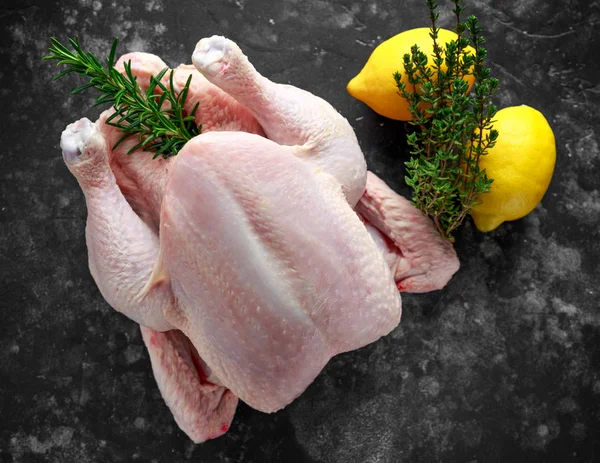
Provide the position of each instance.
(502, 365)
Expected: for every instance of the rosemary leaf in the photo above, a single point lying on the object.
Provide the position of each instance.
(161, 130)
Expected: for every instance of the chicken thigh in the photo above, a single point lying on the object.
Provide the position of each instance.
(242, 257)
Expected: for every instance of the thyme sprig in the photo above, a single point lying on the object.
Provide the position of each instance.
(156, 116)
(453, 129)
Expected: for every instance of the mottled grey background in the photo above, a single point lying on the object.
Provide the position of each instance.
(502, 365)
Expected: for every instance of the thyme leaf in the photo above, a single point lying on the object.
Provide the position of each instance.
(453, 128)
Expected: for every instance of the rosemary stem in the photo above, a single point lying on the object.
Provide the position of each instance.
(159, 121)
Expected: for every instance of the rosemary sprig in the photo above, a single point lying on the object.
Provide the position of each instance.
(453, 128)
(156, 117)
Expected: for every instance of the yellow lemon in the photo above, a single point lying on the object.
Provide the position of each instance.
(521, 164)
(375, 84)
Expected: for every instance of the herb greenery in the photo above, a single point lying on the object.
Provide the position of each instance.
(453, 128)
(156, 116)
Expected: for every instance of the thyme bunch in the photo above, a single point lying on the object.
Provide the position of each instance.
(156, 116)
(453, 129)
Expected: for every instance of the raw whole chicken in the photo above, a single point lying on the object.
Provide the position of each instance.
(257, 253)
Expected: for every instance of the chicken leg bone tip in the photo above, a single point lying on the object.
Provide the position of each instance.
(75, 137)
(210, 53)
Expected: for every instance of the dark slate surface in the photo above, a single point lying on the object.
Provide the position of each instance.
(502, 365)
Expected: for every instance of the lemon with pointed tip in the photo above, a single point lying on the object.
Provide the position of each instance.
(521, 164)
(375, 84)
